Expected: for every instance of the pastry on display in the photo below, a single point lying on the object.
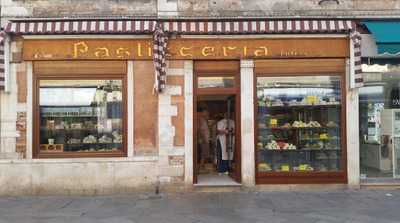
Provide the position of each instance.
(303, 167)
(117, 137)
(260, 145)
(264, 167)
(299, 124)
(89, 139)
(105, 139)
(286, 125)
(273, 145)
(285, 168)
(313, 124)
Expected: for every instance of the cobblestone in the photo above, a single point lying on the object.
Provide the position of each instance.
(350, 206)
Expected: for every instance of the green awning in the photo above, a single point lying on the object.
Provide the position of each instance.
(386, 34)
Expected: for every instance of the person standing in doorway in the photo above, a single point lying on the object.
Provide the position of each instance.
(204, 136)
(225, 139)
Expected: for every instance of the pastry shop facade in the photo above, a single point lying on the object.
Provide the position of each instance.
(97, 112)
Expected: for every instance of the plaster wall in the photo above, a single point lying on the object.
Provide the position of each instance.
(199, 8)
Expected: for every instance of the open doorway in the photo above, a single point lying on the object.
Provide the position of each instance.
(216, 129)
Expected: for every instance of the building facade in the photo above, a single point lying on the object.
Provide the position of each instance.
(108, 97)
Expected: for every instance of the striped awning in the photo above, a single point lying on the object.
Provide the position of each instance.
(81, 27)
(190, 27)
(182, 27)
(258, 26)
(2, 64)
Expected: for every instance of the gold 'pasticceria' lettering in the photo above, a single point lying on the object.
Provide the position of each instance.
(123, 52)
(183, 52)
(226, 48)
(261, 51)
(102, 52)
(207, 51)
(80, 47)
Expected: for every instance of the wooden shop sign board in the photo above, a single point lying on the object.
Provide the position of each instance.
(180, 49)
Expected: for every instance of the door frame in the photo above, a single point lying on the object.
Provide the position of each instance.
(224, 68)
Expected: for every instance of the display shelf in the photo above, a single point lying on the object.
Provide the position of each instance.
(299, 128)
(299, 106)
(70, 116)
(99, 131)
(300, 150)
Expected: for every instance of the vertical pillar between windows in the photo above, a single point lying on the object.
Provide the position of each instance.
(247, 121)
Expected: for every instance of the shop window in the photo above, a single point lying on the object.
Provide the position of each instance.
(379, 109)
(299, 124)
(80, 117)
(216, 82)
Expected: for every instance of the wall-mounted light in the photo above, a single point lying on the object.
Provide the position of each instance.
(321, 2)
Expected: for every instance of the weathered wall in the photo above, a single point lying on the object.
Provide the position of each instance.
(74, 8)
(145, 109)
(87, 177)
(259, 8)
(199, 8)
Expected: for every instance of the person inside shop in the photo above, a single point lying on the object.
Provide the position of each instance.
(225, 144)
(204, 137)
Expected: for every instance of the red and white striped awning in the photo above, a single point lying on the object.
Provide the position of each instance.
(81, 27)
(182, 27)
(258, 26)
(2, 64)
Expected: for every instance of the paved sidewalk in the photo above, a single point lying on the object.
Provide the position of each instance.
(344, 206)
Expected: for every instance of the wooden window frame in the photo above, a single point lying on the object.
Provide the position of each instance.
(37, 77)
(312, 177)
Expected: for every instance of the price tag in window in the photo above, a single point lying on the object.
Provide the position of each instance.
(323, 136)
(303, 167)
(311, 99)
(285, 168)
(273, 121)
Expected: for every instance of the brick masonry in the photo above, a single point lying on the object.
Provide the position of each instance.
(21, 129)
(171, 125)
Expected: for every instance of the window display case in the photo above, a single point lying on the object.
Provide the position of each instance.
(80, 117)
(298, 125)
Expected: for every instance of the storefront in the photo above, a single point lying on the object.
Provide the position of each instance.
(378, 102)
(90, 98)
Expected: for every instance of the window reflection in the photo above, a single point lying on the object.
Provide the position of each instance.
(298, 120)
(81, 116)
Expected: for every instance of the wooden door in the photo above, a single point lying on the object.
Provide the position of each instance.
(218, 69)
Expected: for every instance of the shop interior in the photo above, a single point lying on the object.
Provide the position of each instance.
(298, 124)
(215, 139)
(89, 119)
(379, 107)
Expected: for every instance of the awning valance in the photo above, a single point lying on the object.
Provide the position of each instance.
(80, 27)
(174, 26)
(387, 36)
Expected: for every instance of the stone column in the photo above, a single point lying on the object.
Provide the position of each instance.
(247, 121)
(188, 92)
(352, 134)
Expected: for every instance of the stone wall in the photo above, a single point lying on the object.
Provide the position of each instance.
(199, 8)
(83, 176)
(285, 8)
(171, 126)
(81, 8)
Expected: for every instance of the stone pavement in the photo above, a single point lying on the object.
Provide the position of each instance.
(334, 206)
